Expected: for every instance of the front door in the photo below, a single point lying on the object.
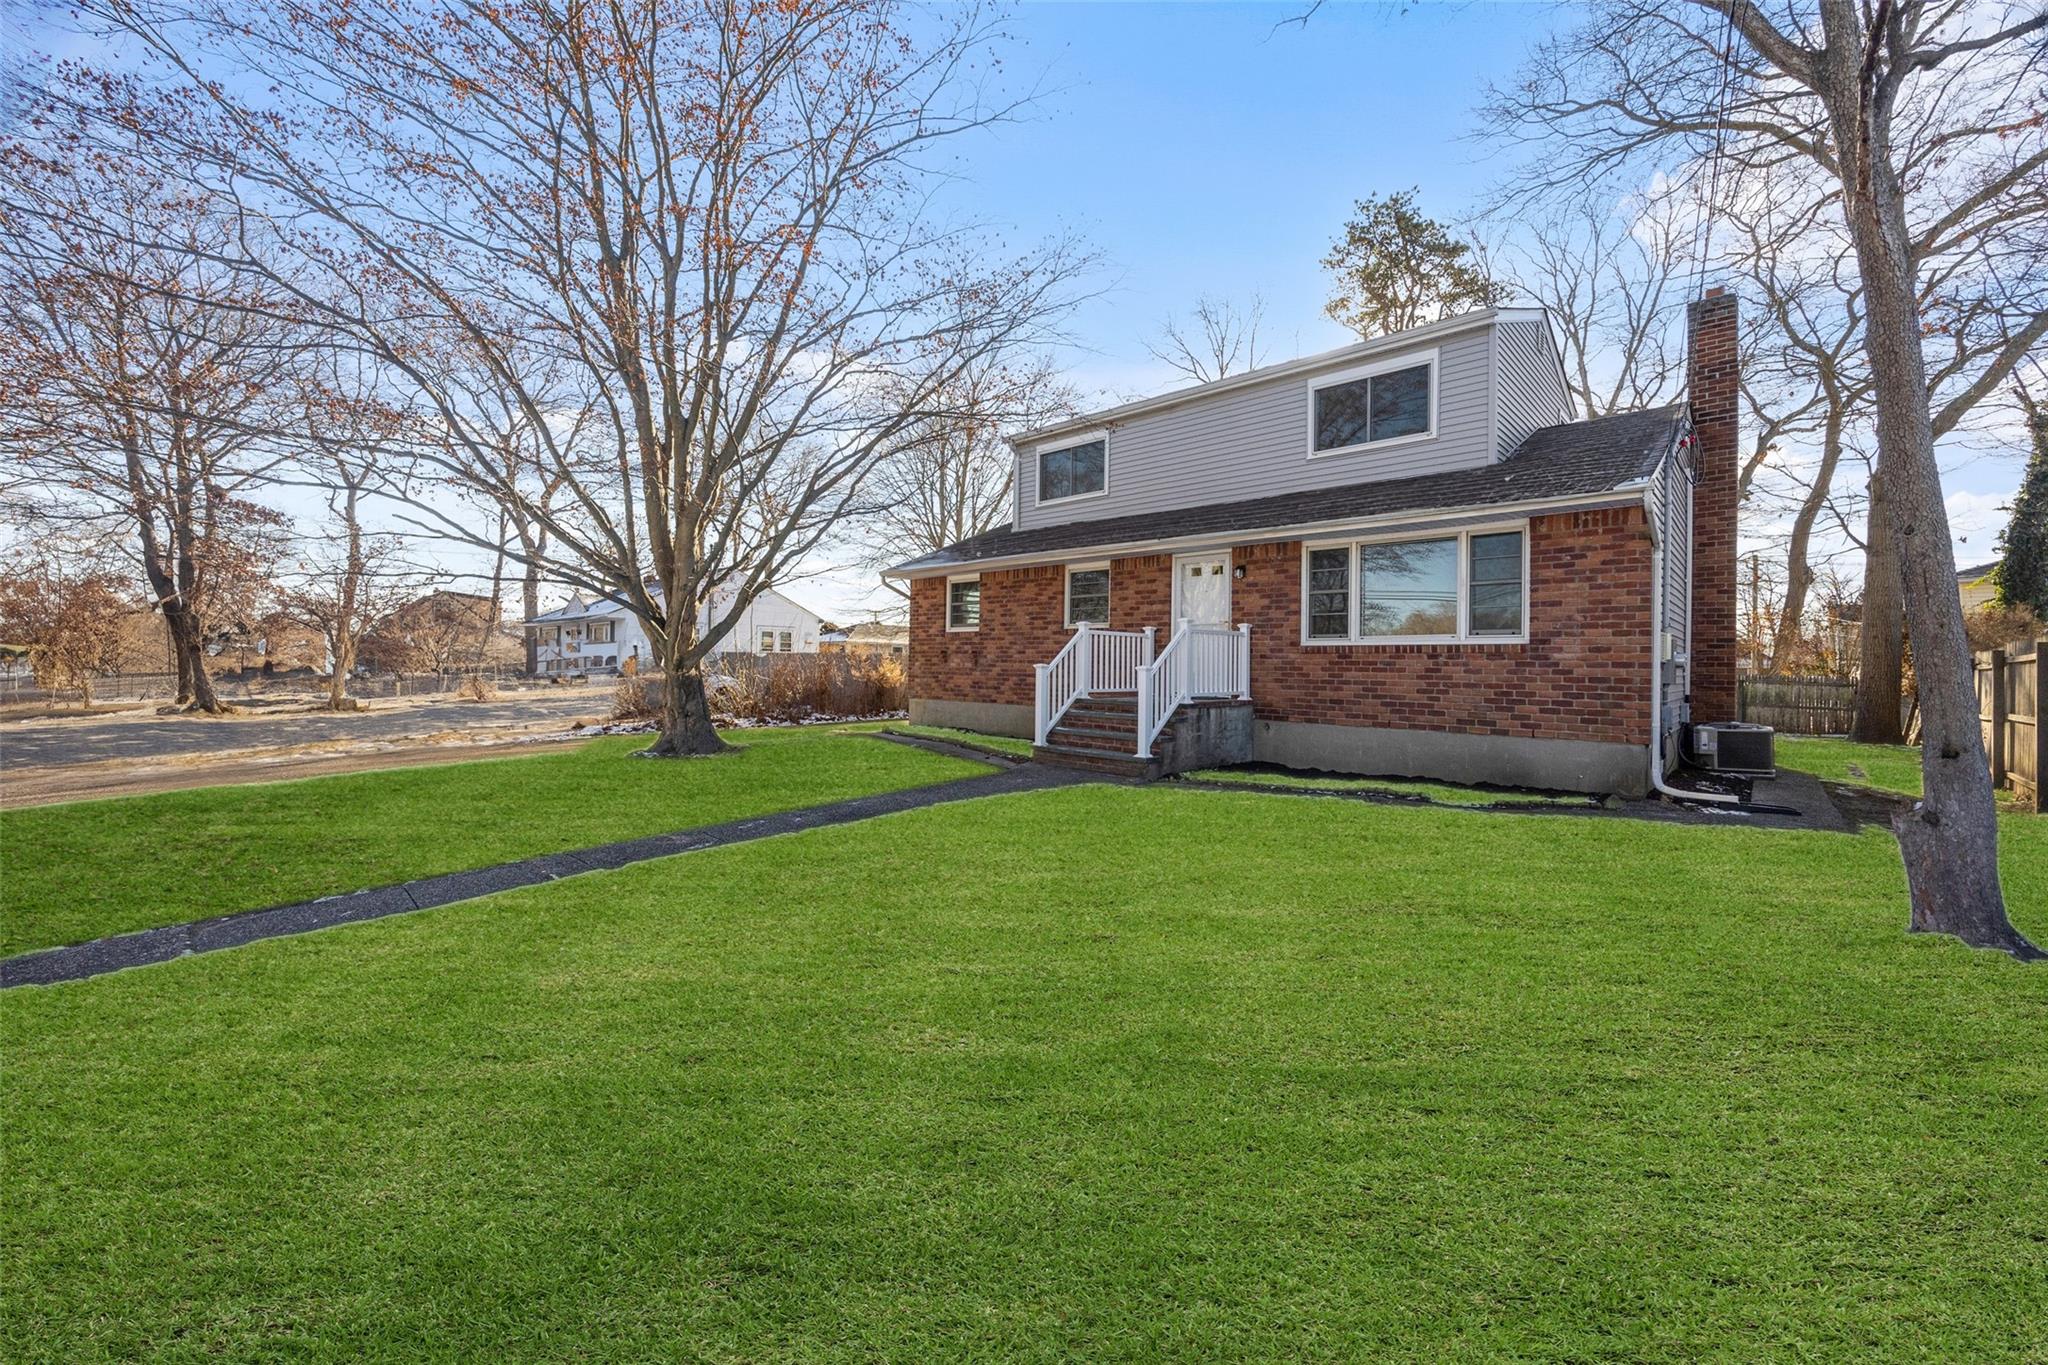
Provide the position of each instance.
(1201, 590)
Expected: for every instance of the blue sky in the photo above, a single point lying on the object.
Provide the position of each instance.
(1216, 149)
(1207, 148)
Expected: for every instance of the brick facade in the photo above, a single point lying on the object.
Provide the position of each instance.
(1583, 675)
(1713, 378)
(1023, 622)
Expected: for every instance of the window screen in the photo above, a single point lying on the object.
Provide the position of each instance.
(1377, 408)
(1496, 579)
(1329, 593)
(1088, 597)
(963, 604)
(1073, 471)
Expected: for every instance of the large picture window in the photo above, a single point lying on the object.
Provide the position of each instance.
(1074, 471)
(1470, 585)
(1408, 587)
(1088, 597)
(963, 604)
(1364, 408)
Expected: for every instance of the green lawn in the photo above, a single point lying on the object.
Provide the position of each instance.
(1886, 767)
(1003, 744)
(79, 871)
(1442, 793)
(1099, 1073)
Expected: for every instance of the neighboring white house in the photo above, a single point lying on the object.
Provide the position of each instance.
(600, 635)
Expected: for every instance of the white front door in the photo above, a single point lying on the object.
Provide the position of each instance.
(1201, 590)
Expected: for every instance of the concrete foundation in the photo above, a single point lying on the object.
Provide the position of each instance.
(1554, 764)
(988, 717)
(1206, 734)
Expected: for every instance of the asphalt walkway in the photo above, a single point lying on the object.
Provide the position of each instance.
(145, 946)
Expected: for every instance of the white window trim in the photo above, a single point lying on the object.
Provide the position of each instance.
(1406, 362)
(1067, 591)
(1463, 535)
(951, 579)
(1068, 443)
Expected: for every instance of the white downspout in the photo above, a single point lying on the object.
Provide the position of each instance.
(1657, 782)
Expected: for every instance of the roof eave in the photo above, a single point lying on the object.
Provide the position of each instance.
(1627, 491)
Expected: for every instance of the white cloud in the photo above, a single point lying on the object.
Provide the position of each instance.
(1974, 521)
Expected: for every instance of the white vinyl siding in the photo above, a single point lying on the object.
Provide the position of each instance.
(1529, 387)
(1254, 441)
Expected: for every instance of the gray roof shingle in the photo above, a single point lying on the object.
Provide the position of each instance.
(1565, 460)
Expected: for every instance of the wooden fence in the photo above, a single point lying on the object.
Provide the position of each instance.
(2009, 709)
(1798, 706)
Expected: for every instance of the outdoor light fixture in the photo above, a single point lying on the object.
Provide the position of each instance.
(1237, 572)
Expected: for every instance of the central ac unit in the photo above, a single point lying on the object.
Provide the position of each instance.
(1735, 746)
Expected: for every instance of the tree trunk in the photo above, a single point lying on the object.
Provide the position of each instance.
(686, 729)
(1798, 573)
(344, 660)
(529, 599)
(181, 663)
(1950, 838)
(1880, 676)
(195, 684)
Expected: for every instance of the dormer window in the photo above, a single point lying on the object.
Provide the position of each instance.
(1073, 469)
(1393, 400)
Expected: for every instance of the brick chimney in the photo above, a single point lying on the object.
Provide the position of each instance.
(1713, 383)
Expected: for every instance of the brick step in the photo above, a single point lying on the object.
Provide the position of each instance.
(1109, 706)
(1095, 761)
(1095, 741)
(1103, 725)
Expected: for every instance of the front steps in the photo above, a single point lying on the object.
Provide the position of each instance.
(1099, 734)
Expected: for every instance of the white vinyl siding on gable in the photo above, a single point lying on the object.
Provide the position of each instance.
(1254, 442)
(1531, 388)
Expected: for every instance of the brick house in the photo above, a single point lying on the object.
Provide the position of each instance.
(1402, 557)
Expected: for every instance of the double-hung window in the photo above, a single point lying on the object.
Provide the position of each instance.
(1088, 596)
(1389, 401)
(963, 604)
(1452, 587)
(1074, 469)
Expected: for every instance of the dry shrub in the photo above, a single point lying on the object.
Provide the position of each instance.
(637, 699)
(1996, 626)
(782, 688)
(785, 688)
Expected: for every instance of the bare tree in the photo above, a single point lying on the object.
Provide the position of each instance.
(686, 247)
(954, 475)
(1918, 124)
(1220, 340)
(1611, 276)
(347, 580)
(140, 375)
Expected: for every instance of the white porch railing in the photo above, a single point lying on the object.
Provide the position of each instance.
(1095, 660)
(1199, 661)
